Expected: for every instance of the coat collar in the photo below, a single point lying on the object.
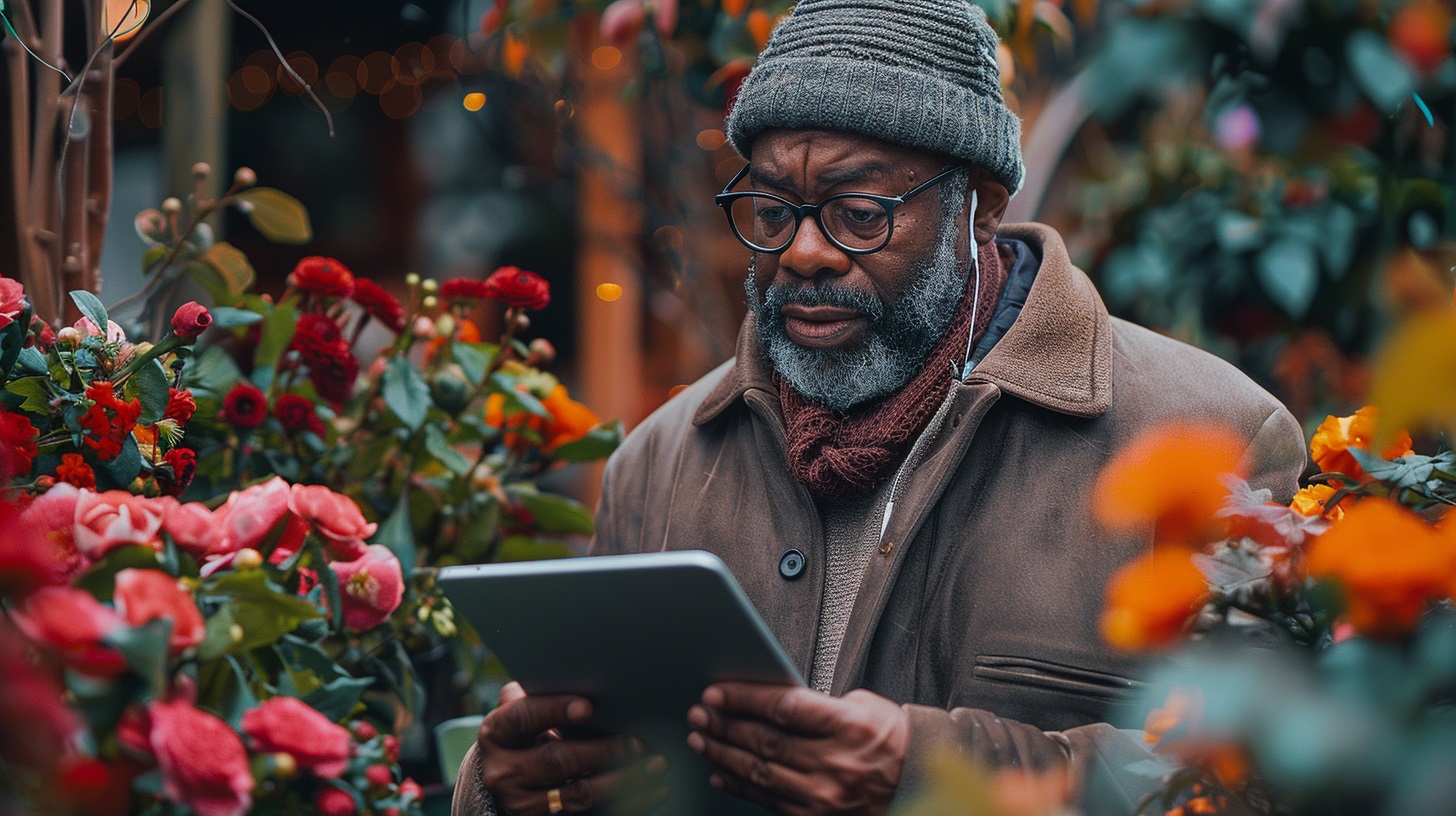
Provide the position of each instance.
(1056, 355)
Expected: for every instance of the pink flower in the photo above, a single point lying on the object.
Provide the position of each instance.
(113, 333)
(74, 623)
(190, 320)
(191, 526)
(335, 516)
(28, 558)
(370, 587)
(145, 595)
(203, 762)
(52, 517)
(331, 801)
(12, 301)
(105, 521)
(292, 726)
(251, 514)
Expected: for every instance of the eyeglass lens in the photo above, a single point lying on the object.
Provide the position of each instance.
(852, 221)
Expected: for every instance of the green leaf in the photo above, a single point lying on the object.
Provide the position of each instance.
(31, 361)
(232, 266)
(100, 579)
(473, 358)
(145, 650)
(37, 395)
(149, 385)
(119, 472)
(91, 306)
(153, 256)
(213, 371)
(1378, 70)
(228, 317)
(525, 548)
(219, 637)
(278, 328)
(336, 699)
(598, 443)
(396, 534)
(222, 686)
(278, 215)
(406, 393)
(554, 514)
(12, 341)
(1289, 274)
(263, 609)
(437, 446)
(517, 400)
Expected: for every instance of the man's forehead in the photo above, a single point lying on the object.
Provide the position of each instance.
(826, 158)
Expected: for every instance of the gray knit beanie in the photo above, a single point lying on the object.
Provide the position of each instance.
(918, 73)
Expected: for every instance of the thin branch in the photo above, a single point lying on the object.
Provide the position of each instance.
(22, 17)
(43, 209)
(98, 203)
(18, 72)
(147, 31)
(283, 60)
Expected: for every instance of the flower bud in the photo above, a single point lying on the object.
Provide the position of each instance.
(45, 482)
(542, 353)
(284, 765)
(247, 558)
(364, 731)
(68, 336)
(424, 327)
(430, 302)
(172, 206)
(245, 177)
(521, 322)
(445, 325)
(190, 320)
(377, 368)
(412, 279)
(236, 632)
(202, 170)
(430, 285)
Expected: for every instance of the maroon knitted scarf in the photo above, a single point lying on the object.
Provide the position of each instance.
(843, 456)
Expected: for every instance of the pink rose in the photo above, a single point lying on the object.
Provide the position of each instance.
(370, 587)
(190, 320)
(105, 521)
(113, 333)
(292, 726)
(336, 517)
(12, 301)
(251, 514)
(203, 762)
(144, 595)
(74, 623)
(191, 526)
(52, 517)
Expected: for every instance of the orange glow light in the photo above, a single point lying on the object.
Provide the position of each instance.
(474, 101)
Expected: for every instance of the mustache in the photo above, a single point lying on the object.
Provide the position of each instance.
(823, 294)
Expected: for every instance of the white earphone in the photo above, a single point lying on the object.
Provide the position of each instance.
(976, 290)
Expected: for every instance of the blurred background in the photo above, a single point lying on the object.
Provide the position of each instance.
(1267, 179)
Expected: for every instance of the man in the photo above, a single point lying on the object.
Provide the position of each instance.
(895, 465)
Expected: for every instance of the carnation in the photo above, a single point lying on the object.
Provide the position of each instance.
(317, 338)
(245, 406)
(296, 414)
(323, 276)
(379, 304)
(334, 377)
(74, 470)
(109, 420)
(518, 288)
(180, 405)
(464, 289)
(180, 469)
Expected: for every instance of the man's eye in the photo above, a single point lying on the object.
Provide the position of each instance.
(774, 215)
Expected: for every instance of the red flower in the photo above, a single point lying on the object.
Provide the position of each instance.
(12, 301)
(203, 762)
(190, 320)
(17, 445)
(180, 405)
(191, 526)
(291, 726)
(180, 466)
(334, 377)
(518, 288)
(323, 276)
(73, 623)
(36, 723)
(144, 595)
(379, 304)
(109, 420)
(331, 801)
(245, 406)
(335, 516)
(74, 470)
(298, 414)
(370, 587)
(317, 338)
(250, 514)
(464, 289)
(116, 518)
(29, 558)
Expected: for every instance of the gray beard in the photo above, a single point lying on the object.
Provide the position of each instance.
(893, 350)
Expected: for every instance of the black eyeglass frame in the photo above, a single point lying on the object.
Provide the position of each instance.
(725, 200)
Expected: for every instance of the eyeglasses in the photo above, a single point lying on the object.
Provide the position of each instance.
(858, 223)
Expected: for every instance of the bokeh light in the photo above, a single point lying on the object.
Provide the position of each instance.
(474, 101)
(606, 57)
(375, 71)
(150, 108)
(398, 100)
(303, 65)
(711, 139)
(126, 96)
(609, 291)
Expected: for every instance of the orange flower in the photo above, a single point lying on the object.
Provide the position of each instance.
(1168, 478)
(1150, 600)
(74, 470)
(1314, 500)
(760, 26)
(570, 420)
(1330, 447)
(1389, 562)
(465, 332)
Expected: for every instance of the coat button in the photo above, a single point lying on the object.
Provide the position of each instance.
(791, 565)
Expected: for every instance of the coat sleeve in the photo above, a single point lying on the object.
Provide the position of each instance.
(1276, 455)
(1099, 756)
(471, 798)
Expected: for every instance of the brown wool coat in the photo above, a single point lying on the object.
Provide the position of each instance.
(980, 612)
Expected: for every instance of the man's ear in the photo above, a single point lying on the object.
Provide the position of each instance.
(992, 199)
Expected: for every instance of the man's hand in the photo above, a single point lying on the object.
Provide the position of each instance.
(800, 752)
(523, 759)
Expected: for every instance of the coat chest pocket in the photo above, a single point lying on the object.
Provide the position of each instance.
(1027, 671)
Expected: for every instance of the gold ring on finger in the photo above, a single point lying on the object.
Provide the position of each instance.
(553, 801)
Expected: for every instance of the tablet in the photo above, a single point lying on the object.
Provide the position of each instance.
(639, 635)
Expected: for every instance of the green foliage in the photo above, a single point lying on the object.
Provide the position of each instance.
(277, 215)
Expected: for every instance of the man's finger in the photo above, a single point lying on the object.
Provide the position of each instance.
(624, 790)
(519, 723)
(760, 739)
(778, 781)
(554, 762)
(510, 693)
(792, 708)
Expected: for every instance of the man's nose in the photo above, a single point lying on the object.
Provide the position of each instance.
(811, 253)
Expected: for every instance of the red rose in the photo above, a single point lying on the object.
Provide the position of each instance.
(180, 466)
(322, 276)
(370, 587)
(190, 320)
(317, 337)
(191, 526)
(144, 595)
(51, 519)
(29, 558)
(250, 514)
(379, 304)
(334, 377)
(292, 726)
(36, 723)
(180, 405)
(116, 518)
(518, 288)
(464, 289)
(17, 445)
(72, 622)
(12, 301)
(331, 801)
(245, 406)
(298, 414)
(203, 762)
